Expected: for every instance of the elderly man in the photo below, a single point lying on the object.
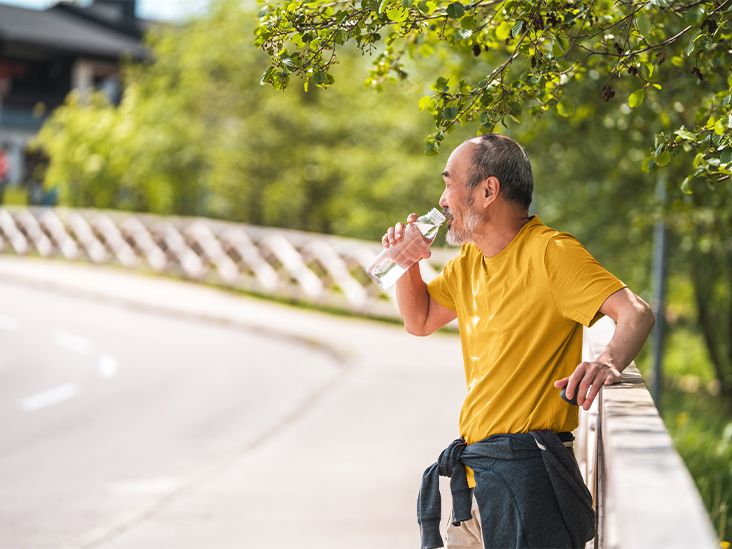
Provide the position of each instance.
(521, 292)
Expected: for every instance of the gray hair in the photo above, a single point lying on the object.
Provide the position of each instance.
(501, 157)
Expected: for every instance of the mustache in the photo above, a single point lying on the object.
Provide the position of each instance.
(447, 213)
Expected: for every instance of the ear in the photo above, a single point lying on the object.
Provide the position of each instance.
(490, 188)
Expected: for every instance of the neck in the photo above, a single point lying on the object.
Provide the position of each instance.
(497, 233)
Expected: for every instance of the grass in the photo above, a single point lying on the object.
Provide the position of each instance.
(699, 421)
(701, 428)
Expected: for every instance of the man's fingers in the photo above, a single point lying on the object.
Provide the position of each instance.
(398, 232)
(613, 377)
(596, 386)
(561, 383)
(395, 234)
(574, 380)
(587, 380)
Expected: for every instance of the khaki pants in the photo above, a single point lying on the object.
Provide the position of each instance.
(468, 535)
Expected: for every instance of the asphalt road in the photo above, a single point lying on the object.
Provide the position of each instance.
(145, 413)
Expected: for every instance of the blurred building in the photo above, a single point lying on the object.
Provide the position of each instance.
(44, 54)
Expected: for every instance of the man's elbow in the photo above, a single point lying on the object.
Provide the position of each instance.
(645, 313)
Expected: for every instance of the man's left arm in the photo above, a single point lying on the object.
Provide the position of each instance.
(634, 321)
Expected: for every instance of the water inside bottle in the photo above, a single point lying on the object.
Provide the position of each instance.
(386, 274)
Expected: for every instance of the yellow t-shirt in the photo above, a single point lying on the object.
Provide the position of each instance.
(520, 315)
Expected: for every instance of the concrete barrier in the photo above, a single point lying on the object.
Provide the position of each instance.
(644, 495)
(306, 267)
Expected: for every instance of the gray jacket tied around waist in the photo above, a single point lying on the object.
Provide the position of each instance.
(573, 497)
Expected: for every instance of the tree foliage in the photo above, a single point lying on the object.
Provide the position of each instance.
(519, 59)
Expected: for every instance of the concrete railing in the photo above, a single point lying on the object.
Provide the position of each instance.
(644, 495)
(305, 267)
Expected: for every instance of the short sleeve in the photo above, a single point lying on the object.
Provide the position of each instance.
(578, 283)
(441, 287)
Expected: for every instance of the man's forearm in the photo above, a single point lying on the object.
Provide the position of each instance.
(631, 331)
(413, 300)
(634, 320)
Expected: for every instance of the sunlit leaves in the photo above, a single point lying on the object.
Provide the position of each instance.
(636, 98)
(529, 57)
(397, 13)
(503, 30)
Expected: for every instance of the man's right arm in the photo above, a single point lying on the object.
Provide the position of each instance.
(422, 315)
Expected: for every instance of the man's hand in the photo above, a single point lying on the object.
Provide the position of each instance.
(395, 234)
(634, 320)
(587, 380)
(421, 313)
(416, 249)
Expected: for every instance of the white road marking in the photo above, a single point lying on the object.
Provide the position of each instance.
(72, 342)
(49, 397)
(107, 366)
(8, 323)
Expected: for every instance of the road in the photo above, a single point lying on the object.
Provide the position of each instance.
(139, 412)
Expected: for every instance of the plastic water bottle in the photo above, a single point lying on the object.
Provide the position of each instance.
(394, 261)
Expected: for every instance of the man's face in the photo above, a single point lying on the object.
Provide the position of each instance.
(456, 200)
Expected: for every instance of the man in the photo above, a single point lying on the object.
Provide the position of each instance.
(521, 292)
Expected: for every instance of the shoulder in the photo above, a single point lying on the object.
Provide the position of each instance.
(547, 236)
(544, 240)
(557, 248)
(545, 233)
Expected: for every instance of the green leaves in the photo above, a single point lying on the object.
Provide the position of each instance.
(566, 108)
(686, 187)
(496, 61)
(432, 144)
(643, 21)
(719, 127)
(397, 13)
(517, 28)
(450, 113)
(428, 104)
(455, 10)
(503, 30)
(635, 99)
(685, 134)
(322, 79)
(663, 159)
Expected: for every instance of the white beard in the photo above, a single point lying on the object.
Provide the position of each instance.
(471, 221)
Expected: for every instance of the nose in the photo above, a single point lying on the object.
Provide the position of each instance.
(443, 200)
